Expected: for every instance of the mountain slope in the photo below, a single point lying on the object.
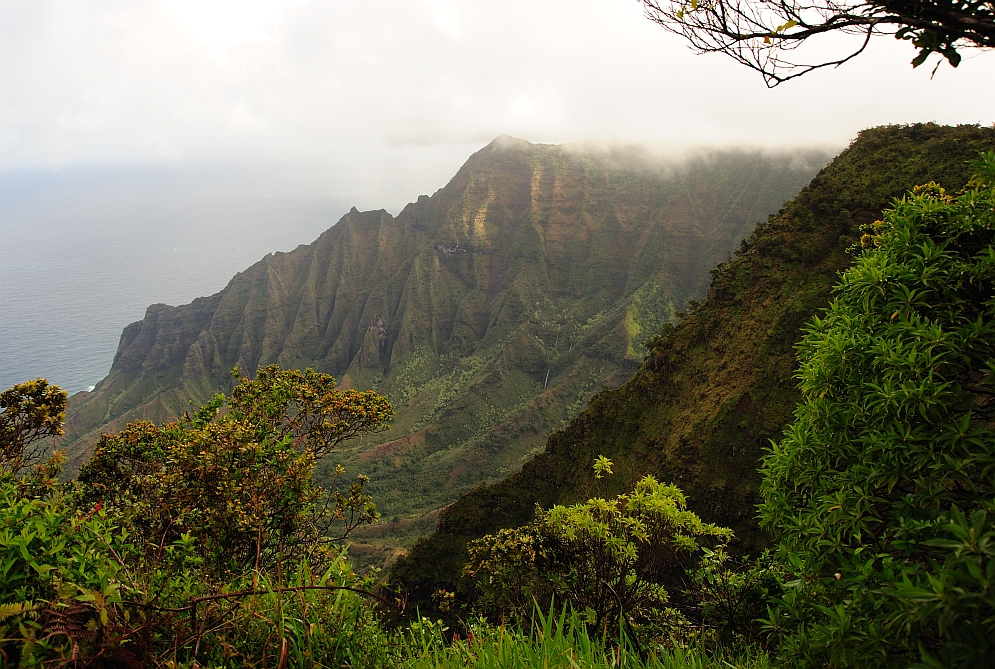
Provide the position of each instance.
(717, 387)
(488, 313)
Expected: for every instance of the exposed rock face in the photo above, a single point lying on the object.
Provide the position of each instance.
(716, 389)
(489, 313)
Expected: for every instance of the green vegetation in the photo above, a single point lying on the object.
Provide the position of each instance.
(236, 479)
(607, 559)
(206, 541)
(194, 539)
(719, 386)
(640, 563)
(205, 547)
(555, 642)
(488, 313)
(881, 496)
(29, 412)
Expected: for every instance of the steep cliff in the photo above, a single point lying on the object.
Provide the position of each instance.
(489, 313)
(716, 388)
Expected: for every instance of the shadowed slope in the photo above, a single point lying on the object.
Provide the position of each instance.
(488, 313)
(718, 387)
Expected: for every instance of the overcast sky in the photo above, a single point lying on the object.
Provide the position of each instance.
(352, 86)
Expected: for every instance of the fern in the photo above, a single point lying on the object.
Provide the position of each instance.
(16, 609)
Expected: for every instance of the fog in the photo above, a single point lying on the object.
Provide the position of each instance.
(149, 149)
(376, 98)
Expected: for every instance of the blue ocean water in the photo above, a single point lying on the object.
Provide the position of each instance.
(83, 252)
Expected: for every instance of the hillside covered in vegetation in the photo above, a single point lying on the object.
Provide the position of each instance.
(487, 313)
(205, 540)
(717, 388)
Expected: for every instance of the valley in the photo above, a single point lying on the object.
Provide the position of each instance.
(488, 313)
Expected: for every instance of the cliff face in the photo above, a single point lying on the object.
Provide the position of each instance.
(716, 388)
(488, 313)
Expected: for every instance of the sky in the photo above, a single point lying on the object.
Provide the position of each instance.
(150, 149)
(385, 99)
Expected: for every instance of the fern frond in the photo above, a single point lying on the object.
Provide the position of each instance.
(16, 609)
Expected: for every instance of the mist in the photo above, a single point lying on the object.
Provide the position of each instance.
(361, 90)
(149, 150)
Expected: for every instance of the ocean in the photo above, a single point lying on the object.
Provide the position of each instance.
(84, 251)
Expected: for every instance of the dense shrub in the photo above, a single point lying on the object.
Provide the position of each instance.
(199, 541)
(238, 475)
(29, 412)
(881, 492)
(729, 597)
(62, 586)
(607, 559)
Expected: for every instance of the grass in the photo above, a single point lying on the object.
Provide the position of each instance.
(556, 642)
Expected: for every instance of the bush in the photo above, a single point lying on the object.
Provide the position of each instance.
(202, 540)
(608, 559)
(238, 476)
(29, 412)
(733, 594)
(62, 586)
(881, 492)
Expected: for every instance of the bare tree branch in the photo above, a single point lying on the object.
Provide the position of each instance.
(765, 34)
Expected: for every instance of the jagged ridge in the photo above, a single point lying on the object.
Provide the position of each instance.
(488, 313)
(717, 388)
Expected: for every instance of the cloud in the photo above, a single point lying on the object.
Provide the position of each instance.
(298, 80)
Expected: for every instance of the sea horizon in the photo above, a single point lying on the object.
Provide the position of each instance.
(86, 253)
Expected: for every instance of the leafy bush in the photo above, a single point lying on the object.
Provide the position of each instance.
(238, 476)
(29, 411)
(881, 493)
(62, 585)
(608, 559)
(202, 540)
(732, 595)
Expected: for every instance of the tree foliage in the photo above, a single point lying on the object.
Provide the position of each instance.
(306, 409)
(238, 475)
(766, 35)
(608, 559)
(29, 412)
(192, 539)
(881, 492)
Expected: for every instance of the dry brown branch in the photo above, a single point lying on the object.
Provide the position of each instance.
(765, 34)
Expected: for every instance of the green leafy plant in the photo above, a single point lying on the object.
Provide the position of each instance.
(29, 412)
(62, 580)
(607, 558)
(881, 493)
(305, 408)
(198, 540)
(238, 475)
(557, 638)
(732, 594)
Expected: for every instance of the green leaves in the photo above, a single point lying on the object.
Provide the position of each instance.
(892, 447)
(29, 411)
(237, 477)
(929, 42)
(305, 407)
(57, 567)
(602, 467)
(606, 558)
(185, 517)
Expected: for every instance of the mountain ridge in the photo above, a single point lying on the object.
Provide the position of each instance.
(718, 386)
(488, 312)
